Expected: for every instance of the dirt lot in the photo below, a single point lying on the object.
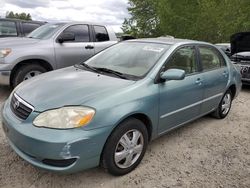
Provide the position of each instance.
(205, 153)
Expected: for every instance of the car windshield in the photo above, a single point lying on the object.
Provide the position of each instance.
(129, 58)
(45, 32)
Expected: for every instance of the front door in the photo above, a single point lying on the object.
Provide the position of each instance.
(72, 52)
(180, 100)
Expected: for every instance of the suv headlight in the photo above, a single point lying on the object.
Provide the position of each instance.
(5, 52)
(65, 117)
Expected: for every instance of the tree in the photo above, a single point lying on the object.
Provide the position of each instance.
(212, 21)
(22, 16)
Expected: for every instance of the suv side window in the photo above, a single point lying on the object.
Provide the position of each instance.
(101, 33)
(8, 28)
(210, 58)
(81, 32)
(185, 59)
(28, 27)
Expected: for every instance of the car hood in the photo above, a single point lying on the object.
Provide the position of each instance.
(10, 42)
(68, 86)
(240, 42)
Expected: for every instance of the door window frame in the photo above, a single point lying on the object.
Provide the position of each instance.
(89, 29)
(198, 65)
(223, 62)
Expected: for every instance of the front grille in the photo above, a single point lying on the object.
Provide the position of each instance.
(245, 71)
(20, 107)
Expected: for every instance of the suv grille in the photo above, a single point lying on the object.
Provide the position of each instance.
(20, 108)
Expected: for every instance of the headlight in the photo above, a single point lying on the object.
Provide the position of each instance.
(5, 52)
(65, 118)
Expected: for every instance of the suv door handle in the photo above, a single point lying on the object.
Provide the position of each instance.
(225, 73)
(89, 47)
(198, 81)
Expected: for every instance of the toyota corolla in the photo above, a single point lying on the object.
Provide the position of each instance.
(106, 110)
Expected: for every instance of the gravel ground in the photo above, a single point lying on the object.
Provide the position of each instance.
(205, 153)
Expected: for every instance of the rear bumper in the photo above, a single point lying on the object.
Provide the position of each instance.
(5, 77)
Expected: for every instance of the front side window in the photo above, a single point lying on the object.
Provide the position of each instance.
(101, 34)
(8, 28)
(28, 27)
(81, 32)
(130, 58)
(210, 59)
(185, 59)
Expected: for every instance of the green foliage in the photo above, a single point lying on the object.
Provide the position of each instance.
(22, 16)
(212, 21)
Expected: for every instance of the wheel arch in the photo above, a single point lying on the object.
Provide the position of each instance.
(140, 116)
(40, 62)
(233, 90)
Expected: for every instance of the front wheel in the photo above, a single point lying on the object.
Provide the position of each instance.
(125, 147)
(224, 106)
(26, 72)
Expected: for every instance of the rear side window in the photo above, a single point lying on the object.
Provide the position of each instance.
(81, 32)
(210, 58)
(8, 28)
(185, 59)
(101, 33)
(29, 27)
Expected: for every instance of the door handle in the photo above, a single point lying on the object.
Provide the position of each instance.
(225, 73)
(198, 81)
(89, 47)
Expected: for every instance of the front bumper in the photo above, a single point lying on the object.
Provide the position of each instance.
(40, 145)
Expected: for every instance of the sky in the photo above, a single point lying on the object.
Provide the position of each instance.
(109, 12)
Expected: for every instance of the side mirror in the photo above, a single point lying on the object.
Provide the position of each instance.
(66, 37)
(173, 74)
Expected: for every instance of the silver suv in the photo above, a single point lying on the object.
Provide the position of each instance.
(51, 46)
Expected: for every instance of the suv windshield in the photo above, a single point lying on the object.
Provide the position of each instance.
(45, 32)
(129, 58)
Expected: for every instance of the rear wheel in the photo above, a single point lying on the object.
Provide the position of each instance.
(125, 147)
(224, 106)
(27, 72)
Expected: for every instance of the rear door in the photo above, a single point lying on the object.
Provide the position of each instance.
(215, 74)
(180, 100)
(72, 52)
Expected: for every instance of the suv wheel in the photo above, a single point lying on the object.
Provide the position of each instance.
(26, 72)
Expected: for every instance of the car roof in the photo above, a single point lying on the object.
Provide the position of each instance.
(19, 20)
(169, 41)
(78, 22)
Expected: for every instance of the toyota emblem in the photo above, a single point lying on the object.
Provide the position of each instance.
(16, 105)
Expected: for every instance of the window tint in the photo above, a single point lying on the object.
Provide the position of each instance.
(8, 28)
(210, 58)
(28, 27)
(184, 59)
(81, 32)
(101, 33)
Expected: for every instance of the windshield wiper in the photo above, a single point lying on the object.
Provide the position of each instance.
(86, 66)
(116, 73)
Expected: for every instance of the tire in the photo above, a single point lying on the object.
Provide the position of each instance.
(118, 159)
(26, 72)
(221, 112)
